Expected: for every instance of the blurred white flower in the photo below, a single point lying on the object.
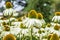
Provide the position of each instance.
(12, 19)
(33, 22)
(35, 30)
(15, 31)
(15, 15)
(43, 21)
(57, 32)
(56, 19)
(17, 7)
(9, 12)
(25, 20)
(1, 21)
(53, 24)
(4, 33)
(25, 31)
(47, 28)
(2, 3)
(37, 34)
(42, 29)
(17, 24)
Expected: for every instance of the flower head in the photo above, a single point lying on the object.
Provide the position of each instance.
(57, 13)
(54, 37)
(4, 23)
(9, 37)
(8, 5)
(6, 28)
(39, 31)
(39, 16)
(56, 27)
(22, 26)
(32, 14)
(19, 19)
(49, 36)
(48, 25)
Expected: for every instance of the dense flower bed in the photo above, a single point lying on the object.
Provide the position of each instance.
(30, 27)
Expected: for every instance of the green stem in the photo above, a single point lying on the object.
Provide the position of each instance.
(20, 35)
(9, 22)
(31, 33)
(23, 37)
(39, 34)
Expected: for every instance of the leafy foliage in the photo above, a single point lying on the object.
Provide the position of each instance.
(42, 6)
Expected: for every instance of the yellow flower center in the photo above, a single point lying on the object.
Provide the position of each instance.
(57, 13)
(32, 14)
(9, 37)
(8, 5)
(39, 16)
(56, 27)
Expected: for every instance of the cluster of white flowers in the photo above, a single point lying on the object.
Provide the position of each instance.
(30, 27)
(15, 26)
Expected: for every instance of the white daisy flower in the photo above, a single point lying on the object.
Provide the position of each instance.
(42, 21)
(12, 19)
(33, 22)
(17, 24)
(14, 31)
(4, 33)
(53, 24)
(35, 30)
(15, 15)
(56, 19)
(37, 34)
(1, 20)
(47, 28)
(25, 32)
(25, 20)
(9, 12)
